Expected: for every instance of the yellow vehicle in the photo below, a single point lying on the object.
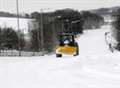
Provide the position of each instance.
(67, 45)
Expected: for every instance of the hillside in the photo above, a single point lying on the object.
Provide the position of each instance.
(12, 22)
(105, 11)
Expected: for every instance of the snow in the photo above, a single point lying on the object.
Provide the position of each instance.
(95, 67)
(12, 22)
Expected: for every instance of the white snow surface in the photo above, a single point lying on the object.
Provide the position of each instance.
(95, 67)
(12, 22)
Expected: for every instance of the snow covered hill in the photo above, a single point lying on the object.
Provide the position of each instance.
(12, 22)
(95, 67)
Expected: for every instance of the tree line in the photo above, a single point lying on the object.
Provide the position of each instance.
(116, 28)
(7, 14)
(9, 39)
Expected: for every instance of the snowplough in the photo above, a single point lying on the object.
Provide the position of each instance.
(67, 45)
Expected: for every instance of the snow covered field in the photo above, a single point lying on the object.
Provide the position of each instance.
(95, 67)
(12, 22)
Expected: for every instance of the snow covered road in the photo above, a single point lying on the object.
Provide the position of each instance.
(95, 67)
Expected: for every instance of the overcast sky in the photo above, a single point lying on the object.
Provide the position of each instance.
(50, 5)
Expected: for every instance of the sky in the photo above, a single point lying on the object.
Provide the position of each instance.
(28, 6)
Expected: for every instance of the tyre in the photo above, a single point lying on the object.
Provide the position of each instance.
(58, 55)
(77, 50)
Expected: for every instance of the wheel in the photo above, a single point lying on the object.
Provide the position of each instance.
(58, 55)
(77, 51)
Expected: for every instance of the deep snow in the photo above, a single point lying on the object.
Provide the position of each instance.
(95, 67)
